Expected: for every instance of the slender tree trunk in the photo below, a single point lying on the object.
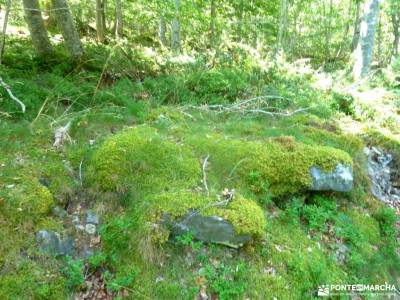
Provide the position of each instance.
(213, 16)
(4, 30)
(65, 22)
(176, 29)
(37, 30)
(282, 25)
(395, 16)
(379, 41)
(162, 31)
(328, 18)
(364, 50)
(356, 30)
(240, 22)
(100, 20)
(118, 18)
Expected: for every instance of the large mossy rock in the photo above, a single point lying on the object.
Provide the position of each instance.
(232, 223)
(277, 165)
(142, 161)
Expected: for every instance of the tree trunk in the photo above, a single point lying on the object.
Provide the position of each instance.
(4, 30)
(99, 21)
(328, 18)
(282, 25)
(213, 16)
(379, 41)
(396, 34)
(364, 50)
(240, 22)
(37, 30)
(65, 22)
(103, 15)
(176, 29)
(162, 31)
(118, 18)
(356, 31)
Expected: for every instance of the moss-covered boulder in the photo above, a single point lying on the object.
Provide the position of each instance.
(144, 162)
(139, 159)
(231, 223)
(278, 165)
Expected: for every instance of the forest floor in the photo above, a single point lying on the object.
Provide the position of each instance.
(309, 239)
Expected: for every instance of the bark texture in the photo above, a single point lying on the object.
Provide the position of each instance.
(176, 29)
(66, 24)
(363, 53)
(119, 27)
(100, 21)
(40, 39)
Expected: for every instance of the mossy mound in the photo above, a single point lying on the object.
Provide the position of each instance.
(246, 216)
(139, 159)
(277, 165)
(27, 201)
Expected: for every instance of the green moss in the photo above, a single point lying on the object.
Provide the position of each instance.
(367, 226)
(29, 200)
(281, 164)
(139, 159)
(244, 214)
(30, 280)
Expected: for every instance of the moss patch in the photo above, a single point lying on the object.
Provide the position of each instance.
(244, 214)
(139, 159)
(280, 165)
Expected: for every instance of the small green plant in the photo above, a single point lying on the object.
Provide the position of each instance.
(185, 239)
(292, 210)
(123, 279)
(343, 103)
(73, 272)
(316, 217)
(97, 260)
(228, 282)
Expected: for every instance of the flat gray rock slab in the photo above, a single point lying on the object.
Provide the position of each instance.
(340, 180)
(50, 242)
(209, 229)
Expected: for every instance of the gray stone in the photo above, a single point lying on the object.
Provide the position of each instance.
(50, 242)
(92, 218)
(59, 212)
(75, 218)
(90, 228)
(209, 229)
(340, 180)
(67, 246)
(79, 227)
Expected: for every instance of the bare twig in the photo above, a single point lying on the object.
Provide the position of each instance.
(7, 88)
(205, 174)
(80, 172)
(257, 105)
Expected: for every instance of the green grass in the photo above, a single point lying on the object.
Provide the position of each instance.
(128, 173)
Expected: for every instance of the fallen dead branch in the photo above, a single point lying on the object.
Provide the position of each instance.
(205, 162)
(10, 93)
(257, 105)
(61, 134)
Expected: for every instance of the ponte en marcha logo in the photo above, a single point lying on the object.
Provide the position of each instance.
(347, 289)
